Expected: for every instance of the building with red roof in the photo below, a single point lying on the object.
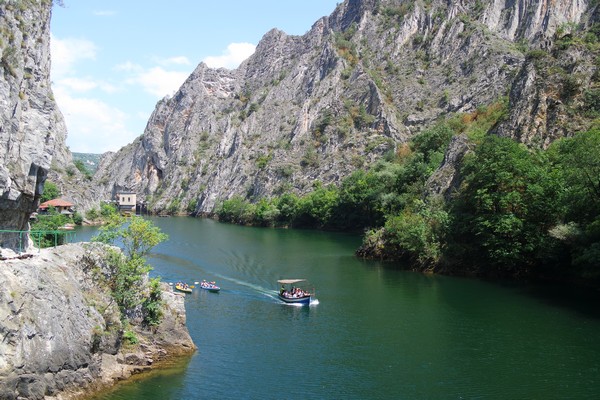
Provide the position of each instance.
(61, 205)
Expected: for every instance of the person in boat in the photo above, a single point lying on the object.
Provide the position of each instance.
(282, 290)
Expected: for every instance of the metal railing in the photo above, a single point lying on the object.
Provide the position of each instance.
(17, 240)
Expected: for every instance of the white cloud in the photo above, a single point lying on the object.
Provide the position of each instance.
(67, 52)
(158, 81)
(128, 66)
(94, 124)
(76, 84)
(84, 85)
(98, 126)
(232, 57)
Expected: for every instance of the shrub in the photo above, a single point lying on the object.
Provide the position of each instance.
(152, 305)
(51, 191)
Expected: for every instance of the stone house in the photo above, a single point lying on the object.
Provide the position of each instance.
(126, 202)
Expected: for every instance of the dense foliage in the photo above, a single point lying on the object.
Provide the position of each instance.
(577, 160)
(362, 200)
(51, 191)
(517, 212)
(45, 230)
(505, 208)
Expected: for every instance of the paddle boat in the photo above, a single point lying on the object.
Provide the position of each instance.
(210, 286)
(293, 291)
(183, 287)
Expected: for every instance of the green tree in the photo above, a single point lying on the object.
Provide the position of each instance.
(236, 210)
(506, 206)
(51, 191)
(577, 160)
(152, 304)
(266, 213)
(107, 210)
(77, 218)
(358, 204)
(287, 205)
(140, 236)
(92, 214)
(433, 142)
(51, 221)
(129, 268)
(316, 208)
(417, 234)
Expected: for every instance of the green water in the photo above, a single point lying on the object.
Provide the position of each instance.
(375, 332)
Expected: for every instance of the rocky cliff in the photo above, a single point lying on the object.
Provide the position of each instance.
(354, 87)
(32, 129)
(62, 333)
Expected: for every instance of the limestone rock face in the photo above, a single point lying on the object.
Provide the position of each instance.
(61, 331)
(316, 107)
(446, 177)
(31, 126)
(32, 129)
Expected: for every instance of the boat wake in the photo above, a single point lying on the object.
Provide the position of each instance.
(254, 288)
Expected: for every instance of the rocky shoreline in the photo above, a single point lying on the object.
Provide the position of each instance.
(61, 333)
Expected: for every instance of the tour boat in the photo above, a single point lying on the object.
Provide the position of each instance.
(210, 286)
(183, 287)
(293, 291)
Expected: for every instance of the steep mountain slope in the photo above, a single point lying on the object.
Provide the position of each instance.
(31, 127)
(356, 86)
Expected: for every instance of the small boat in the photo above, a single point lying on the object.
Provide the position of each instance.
(294, 291)
(183, 287)
(210, 286)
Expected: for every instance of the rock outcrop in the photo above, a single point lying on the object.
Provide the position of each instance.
(32, 128)
(318, 106)
(61, 331)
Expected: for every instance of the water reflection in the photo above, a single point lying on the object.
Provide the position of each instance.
(377, 332)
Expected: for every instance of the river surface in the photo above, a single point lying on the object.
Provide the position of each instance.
(375, 332)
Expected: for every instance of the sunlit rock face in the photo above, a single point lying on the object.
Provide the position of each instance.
(32, 130)
(62, 330)
(359, 84)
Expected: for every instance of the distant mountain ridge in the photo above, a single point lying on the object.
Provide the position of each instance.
(358, 85)
(90, 160)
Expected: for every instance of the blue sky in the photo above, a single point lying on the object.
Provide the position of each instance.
(112, 60)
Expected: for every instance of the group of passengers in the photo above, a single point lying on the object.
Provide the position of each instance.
(182, 285)
(208, 285)
(294, 293)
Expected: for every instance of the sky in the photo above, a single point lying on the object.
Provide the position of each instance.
(113, 60)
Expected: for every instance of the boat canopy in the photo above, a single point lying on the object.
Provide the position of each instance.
(290, 281)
